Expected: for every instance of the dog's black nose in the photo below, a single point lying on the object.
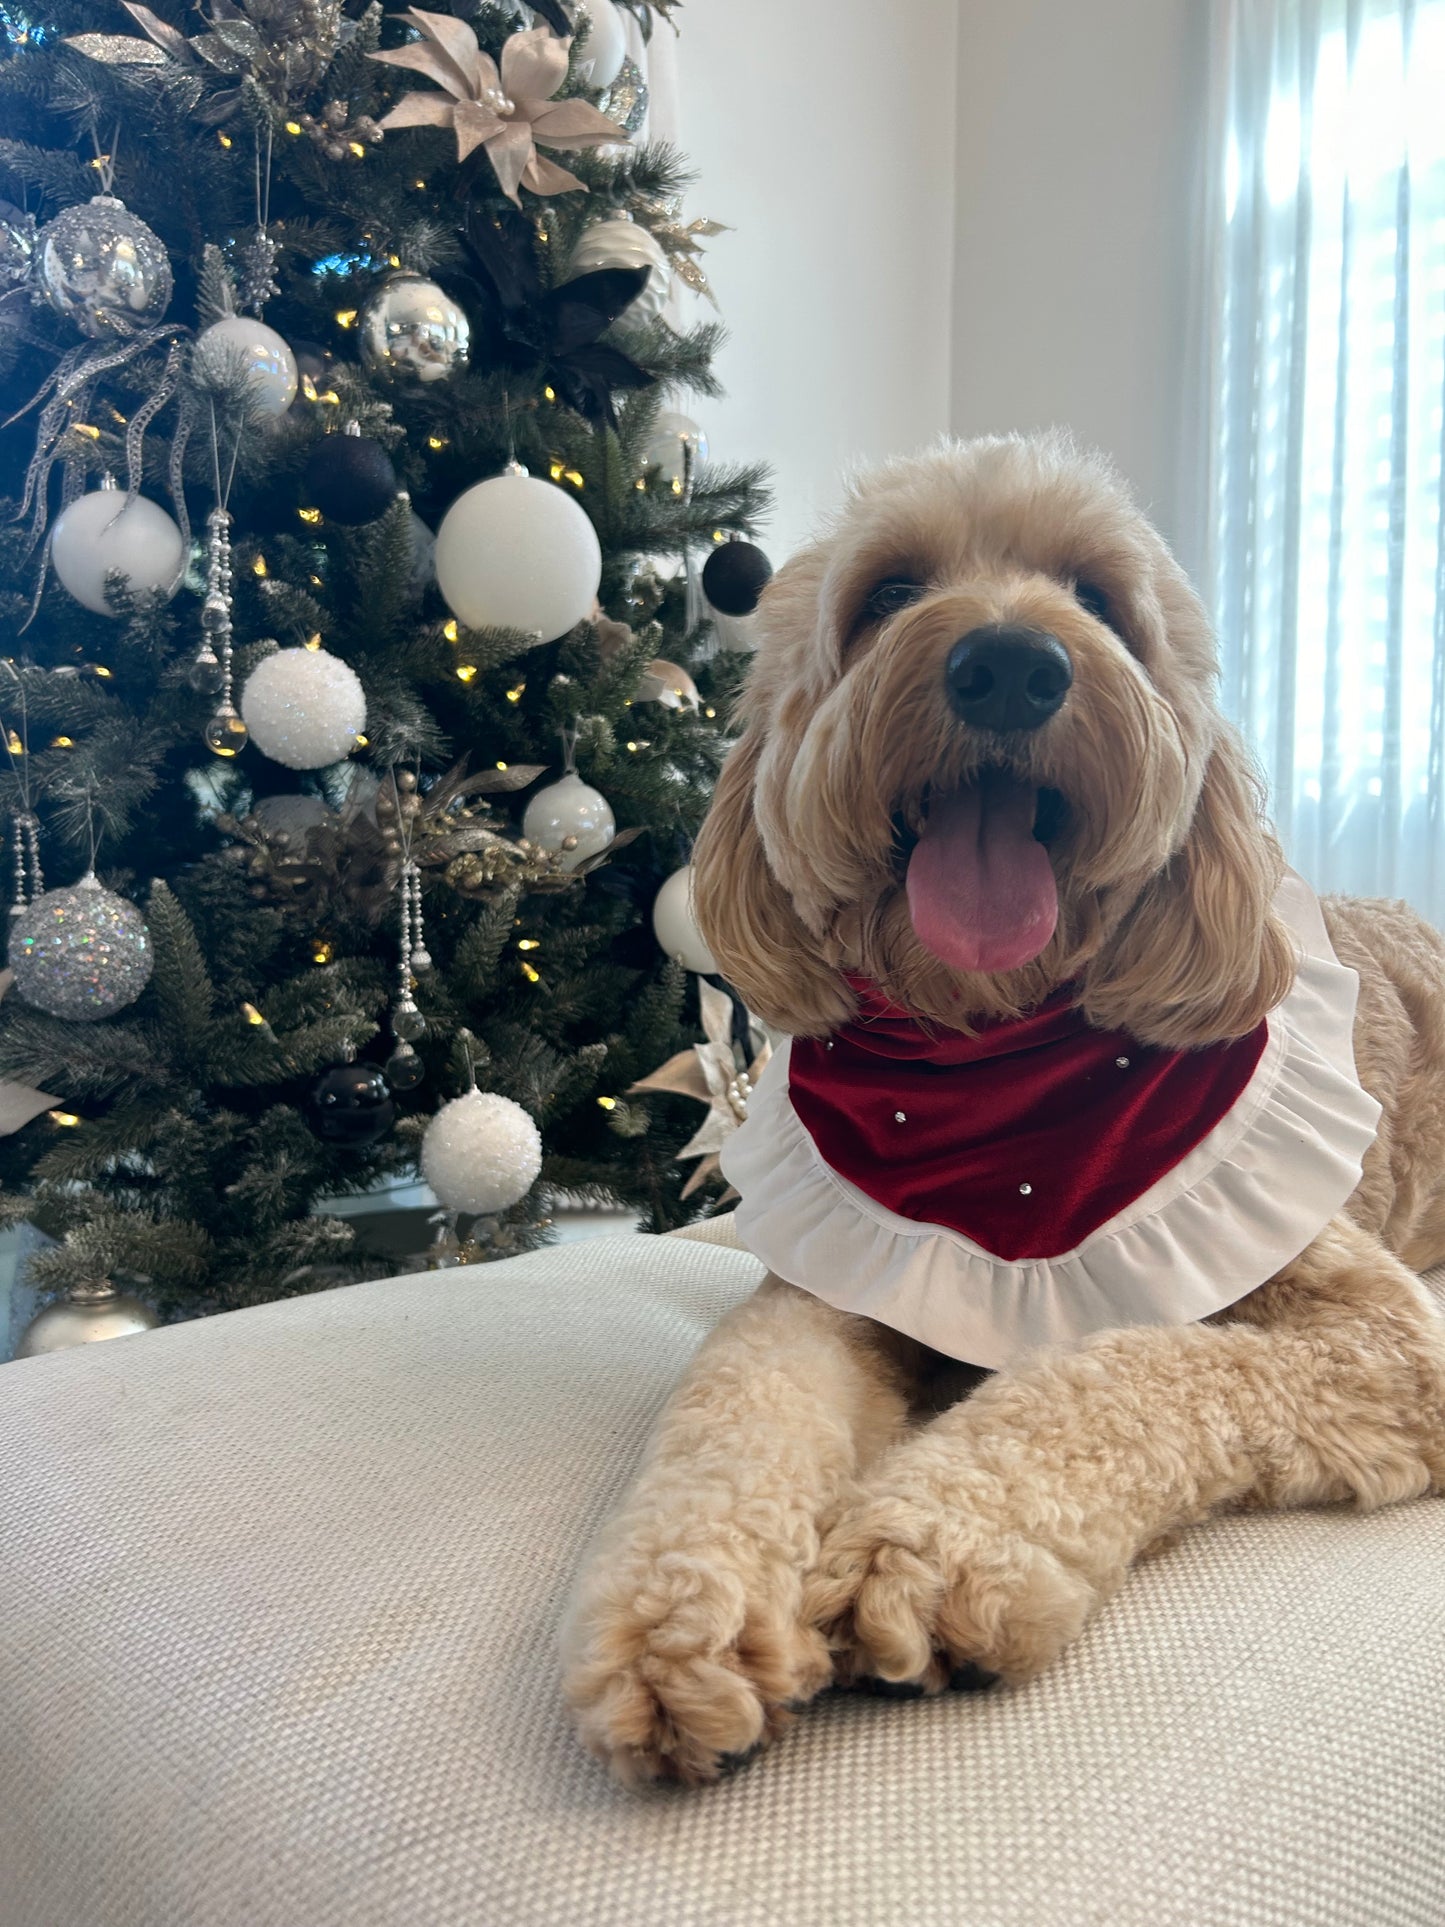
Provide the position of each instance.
(1006, 677)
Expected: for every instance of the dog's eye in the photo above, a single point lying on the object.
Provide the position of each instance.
(886, 598)
(1089, 596)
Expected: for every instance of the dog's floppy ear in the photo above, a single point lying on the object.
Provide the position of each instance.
(1201, 956)
(747, 919)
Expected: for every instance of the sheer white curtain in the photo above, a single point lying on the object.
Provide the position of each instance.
(1328, 384)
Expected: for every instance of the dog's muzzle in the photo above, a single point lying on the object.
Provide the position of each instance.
(1006, 677)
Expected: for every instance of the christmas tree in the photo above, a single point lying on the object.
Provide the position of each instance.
(345, 760)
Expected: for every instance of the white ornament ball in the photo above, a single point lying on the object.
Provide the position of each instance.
(238, 350)
(481, 1153)
(304, 708)
(675, 922)
(626, 244)
(601, 60)
(570, 808)
(98, 533)
(668, 449)
(516, 553)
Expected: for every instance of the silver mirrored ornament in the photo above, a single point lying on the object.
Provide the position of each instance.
(411, 330)
(103, 268)
(82, 953)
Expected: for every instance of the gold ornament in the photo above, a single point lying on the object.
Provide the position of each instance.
(710, 1073)
(663, 682)
(509, 113)
(86, 1314)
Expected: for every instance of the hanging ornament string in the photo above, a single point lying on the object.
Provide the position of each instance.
(258, 259)
(414, 960)
(226, 733)
(24, 824)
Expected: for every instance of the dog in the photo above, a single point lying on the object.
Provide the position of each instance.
(1097, 1178)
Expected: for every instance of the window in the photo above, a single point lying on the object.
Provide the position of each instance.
(1328, 383)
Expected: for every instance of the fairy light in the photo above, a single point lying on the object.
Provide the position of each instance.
(450, 630)
(529, 943)
(550, 393)
(102, 672)
(293, 127)
(224, 139)
(63, 742)
(393, 260)
(555, 471)
(608, 1103)
(66, 1119)
(312, 516)
(466, 671)
(251, 1014)
(709, 712)
(308, 388)
(14, 744)
(515, 695)
(363, 742)
(321, 952)
(418, 183)
(532, 976)
(258, 567)
(501, 766)
(314, 641)
(436, 441)
(360, 152)
(345, 317)
(88, 429)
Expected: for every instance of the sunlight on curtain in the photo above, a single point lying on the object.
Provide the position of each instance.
(1328, 389)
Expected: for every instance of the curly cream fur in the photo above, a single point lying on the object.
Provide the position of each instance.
(826, 1500)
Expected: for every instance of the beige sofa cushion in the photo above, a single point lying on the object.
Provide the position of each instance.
(278, 1606)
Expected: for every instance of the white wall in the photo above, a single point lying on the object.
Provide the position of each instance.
(1081, 128)
(823, 132)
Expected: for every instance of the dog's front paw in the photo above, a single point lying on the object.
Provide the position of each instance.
(911, 1592)
(680, 1666)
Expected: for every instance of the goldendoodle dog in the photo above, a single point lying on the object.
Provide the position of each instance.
(1083, 1218)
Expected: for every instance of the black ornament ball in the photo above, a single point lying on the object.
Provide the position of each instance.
(734, 576)
(350, 1105)
(350, 479)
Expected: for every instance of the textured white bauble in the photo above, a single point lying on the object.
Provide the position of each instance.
(481, 1153)
(625, 244)
(238, 349)
(668, 448)
(304, 708)
(516, 553)
(570, 808)
(601, 60)
(98, 533)
(675, 922)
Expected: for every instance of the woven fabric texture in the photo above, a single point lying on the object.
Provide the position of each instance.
(278, 1605)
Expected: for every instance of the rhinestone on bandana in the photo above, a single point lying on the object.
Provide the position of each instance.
(900, 1117)
(1122, 1062)
(1026, 1190)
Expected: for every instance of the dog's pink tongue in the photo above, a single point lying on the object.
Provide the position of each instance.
(980, 889)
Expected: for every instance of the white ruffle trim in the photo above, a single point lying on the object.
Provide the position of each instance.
(1245, 1201)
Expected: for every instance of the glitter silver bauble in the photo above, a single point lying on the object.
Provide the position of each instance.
(481, 1153)
(81, 953)
(411, 330)
(304, 708)
(17, 246)
(100, 265)
(625, 244)
(625, 101)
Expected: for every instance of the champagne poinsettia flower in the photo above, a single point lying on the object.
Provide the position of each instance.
(509, 113)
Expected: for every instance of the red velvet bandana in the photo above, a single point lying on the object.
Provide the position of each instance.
(1025, 1138)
